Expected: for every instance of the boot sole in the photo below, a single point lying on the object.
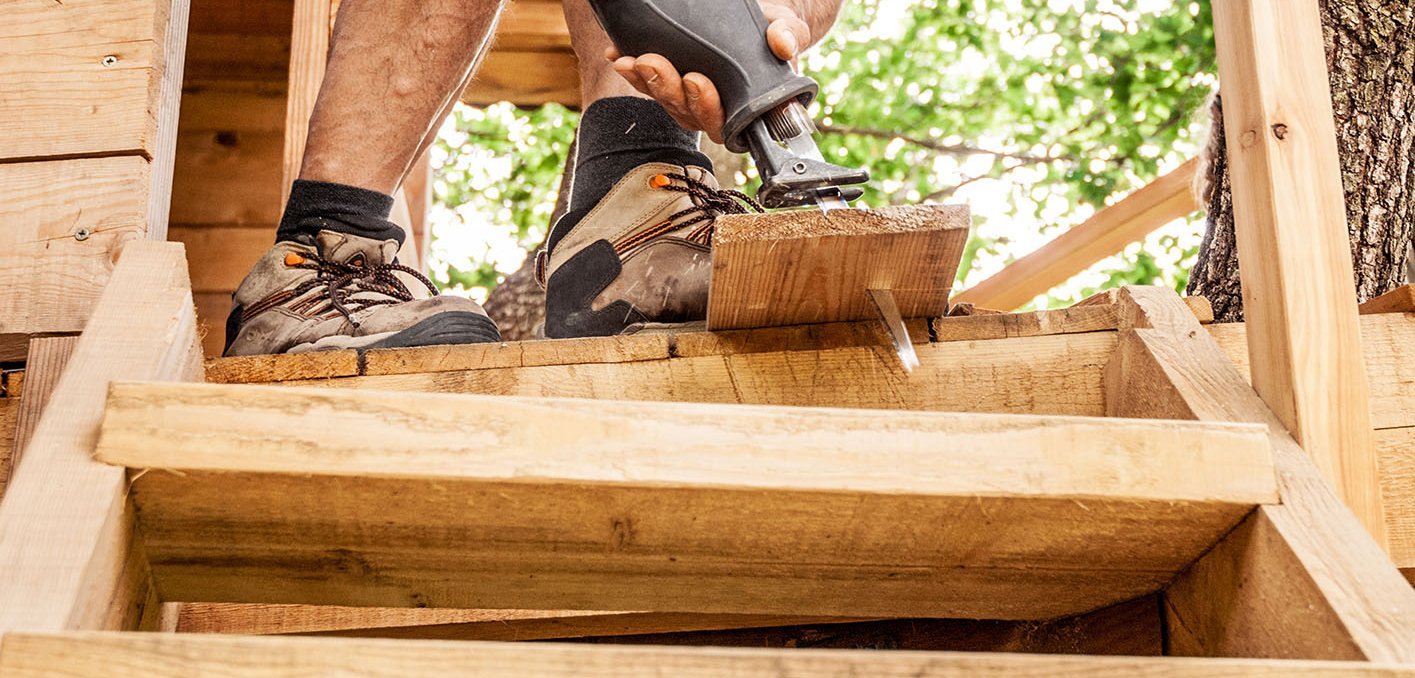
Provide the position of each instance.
(443, 329)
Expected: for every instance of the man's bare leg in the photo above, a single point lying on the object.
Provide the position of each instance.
(331, 281)
(395, 69)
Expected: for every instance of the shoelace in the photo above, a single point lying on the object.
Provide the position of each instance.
(342, 281)
(709, 203)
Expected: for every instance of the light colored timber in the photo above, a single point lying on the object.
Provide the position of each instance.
(87, 78)
(1083, 317)
(1294, 256)
(445, 624)
(1398, 300)
(66, 537)
(1037, 375)
(796, 268)
(330, 497)
(47, 358)
(1389, 342)
(526, 78)
(113, 655)
(1299, 579)
(1169, 198)
(309, 54)
(1396, 449)
(51, 278)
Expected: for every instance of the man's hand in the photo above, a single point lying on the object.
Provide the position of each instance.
(692, 99)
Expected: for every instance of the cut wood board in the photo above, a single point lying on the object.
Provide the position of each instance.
(66, 540)
(802, 267)
(47, 358)
(1398, 300)
(1084, 317)
(64, 222)
(275, 495)
(166, 655)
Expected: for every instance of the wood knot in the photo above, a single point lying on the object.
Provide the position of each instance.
(1280, 131)
(1249, 138)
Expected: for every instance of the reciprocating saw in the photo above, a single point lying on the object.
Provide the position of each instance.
(763, 98)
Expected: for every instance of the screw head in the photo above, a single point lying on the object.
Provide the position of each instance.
(799, 167)
(110, 61)
(82, 234)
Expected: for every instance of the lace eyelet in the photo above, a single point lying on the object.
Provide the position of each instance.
(658, 181)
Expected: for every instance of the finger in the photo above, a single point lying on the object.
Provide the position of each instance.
(663, 82)
(787, 37)
(612, 53)
(624, 66)
(705, 104)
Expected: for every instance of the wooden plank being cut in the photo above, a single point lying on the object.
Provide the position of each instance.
(1293, 250)
(277, 495)
(66, 540)
(1300, 579)
(166, 655)
(801, 267)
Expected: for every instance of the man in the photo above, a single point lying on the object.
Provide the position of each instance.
(633, 249)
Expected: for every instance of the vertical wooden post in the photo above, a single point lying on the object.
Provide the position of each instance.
(47, 358)
(1293, 247)
(309, 53)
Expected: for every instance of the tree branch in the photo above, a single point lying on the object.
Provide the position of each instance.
(945, 149)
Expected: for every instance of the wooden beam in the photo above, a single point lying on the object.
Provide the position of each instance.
(1298, 579)
(1398, 300)
(643, 507)
(1396, 448)
(90, 78)
(47, 358)
(64, 223)
(1293, 247)
(1084, 317)
(1169, 198)
(159, 655)
(66, 542)
(1038, 375)
(526, 78)
(309, 53)
(797, 268)
(451, 624)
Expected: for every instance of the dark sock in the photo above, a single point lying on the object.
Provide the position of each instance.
(617, 135)
(316, 206)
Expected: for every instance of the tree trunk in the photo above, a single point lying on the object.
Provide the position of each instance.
(1371, 61)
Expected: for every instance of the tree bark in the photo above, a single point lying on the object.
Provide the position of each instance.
(1371, 63)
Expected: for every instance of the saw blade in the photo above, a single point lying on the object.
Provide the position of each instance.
(894, 323)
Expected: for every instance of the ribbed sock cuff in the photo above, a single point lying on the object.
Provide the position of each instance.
(324, 206)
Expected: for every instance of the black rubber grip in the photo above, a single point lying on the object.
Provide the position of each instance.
(722, 39)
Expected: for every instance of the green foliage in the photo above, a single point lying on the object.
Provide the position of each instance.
(1049, 107)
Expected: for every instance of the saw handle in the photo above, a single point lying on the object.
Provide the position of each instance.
(724, 40)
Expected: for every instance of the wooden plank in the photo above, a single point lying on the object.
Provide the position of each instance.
(1038, 375)
(96, 66)
(212, 309)
(533, 26)
(1298, 579)
(1168, 198)
(329, 497)
(445, 624)
(164, 109)
(221, 256)
(526, 78)
(66, 542)
(158, 655)
(229, 178)
(1293, 251)
(47, 358)
(51, 277)
(309, 53)
(1396, 450)
(1398, 300)
(797, 268)
(1083, 317)
(1389, 340)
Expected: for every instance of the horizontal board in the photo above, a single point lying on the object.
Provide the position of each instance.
(800, 267)
(154, 655)
(1396, 450)
(526, 78)
(92, 64)
(329, 497)
(64, 222)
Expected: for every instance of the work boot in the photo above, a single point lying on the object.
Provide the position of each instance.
(338, 291)
(641, 257)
